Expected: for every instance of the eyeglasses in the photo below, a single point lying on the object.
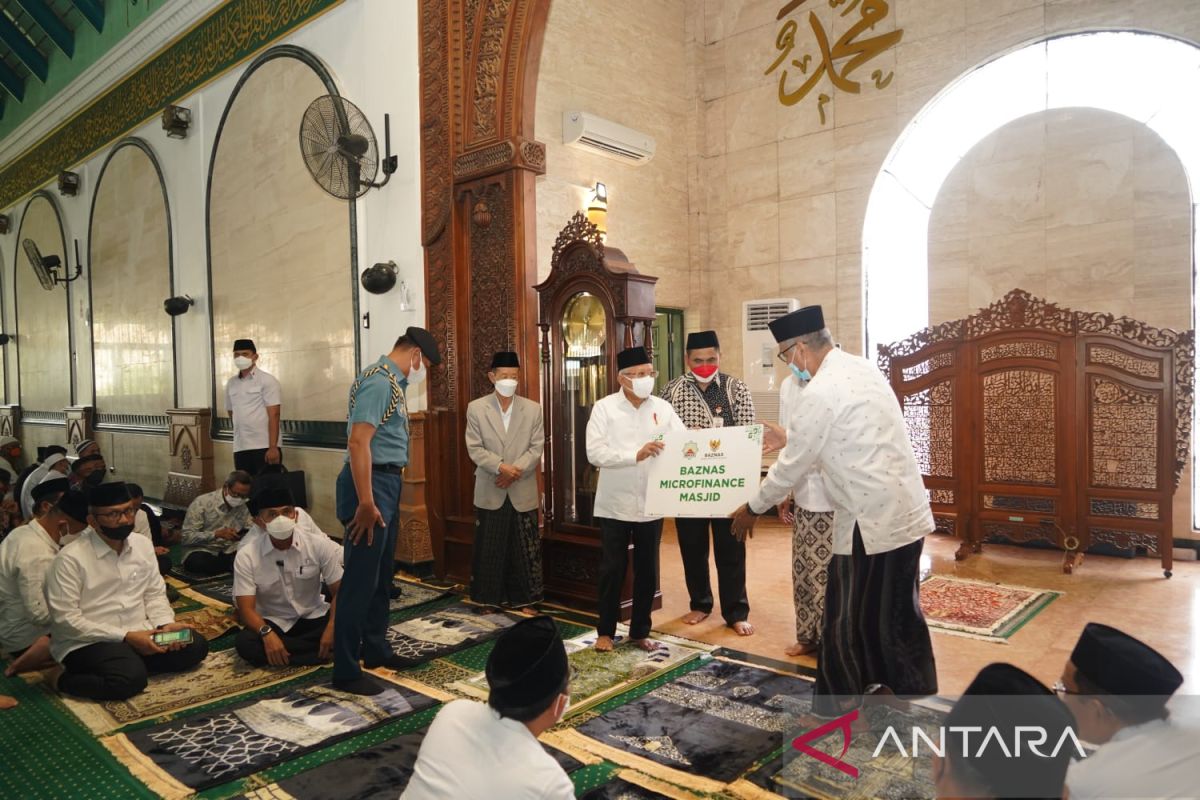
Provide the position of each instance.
(1061, 688)
(785, 355)
(109, 516)
(647, 375)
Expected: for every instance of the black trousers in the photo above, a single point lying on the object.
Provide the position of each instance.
(115, 671)
(164, 563)
(253, 461)
(614, 542)
(204, 563)
(730, 555)
(302, 640)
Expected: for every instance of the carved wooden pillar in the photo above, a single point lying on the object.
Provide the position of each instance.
(191, 446)
(414, 551)
(10, 420)
(478, 165)
(79, 423)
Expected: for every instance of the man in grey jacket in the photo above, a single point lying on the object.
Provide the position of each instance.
(504, 438)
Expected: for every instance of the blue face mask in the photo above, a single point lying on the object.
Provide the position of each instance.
(802, 375)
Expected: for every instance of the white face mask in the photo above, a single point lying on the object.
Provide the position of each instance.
(643, 386)
(416, 373)
(241, 362)
(281, 527)
(506, 387)
(234, 502)
(67, 538)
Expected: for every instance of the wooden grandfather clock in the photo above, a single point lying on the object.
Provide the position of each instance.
(593, 305)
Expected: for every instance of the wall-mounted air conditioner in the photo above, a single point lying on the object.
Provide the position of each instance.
(761, 370)
(604, 137)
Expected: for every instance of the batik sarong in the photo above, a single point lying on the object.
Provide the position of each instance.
(812, 547)
(506, 565)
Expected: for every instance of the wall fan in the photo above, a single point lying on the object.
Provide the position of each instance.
(46, 267)
(340, 149)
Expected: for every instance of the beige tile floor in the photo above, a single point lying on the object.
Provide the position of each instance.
(1128, 594)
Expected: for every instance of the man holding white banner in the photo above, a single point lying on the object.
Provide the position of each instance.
(704, 397)
(847, 423)
(624, 435)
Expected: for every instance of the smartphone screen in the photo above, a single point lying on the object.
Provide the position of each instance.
(164, 638)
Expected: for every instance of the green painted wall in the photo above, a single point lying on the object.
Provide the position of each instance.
(120, 18)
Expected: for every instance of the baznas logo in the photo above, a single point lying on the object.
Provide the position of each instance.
(714, 445)
(690, 450)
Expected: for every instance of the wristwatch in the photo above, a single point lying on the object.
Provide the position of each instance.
(264, 631)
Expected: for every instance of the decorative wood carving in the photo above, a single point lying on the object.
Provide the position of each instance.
(79, 423)
(1035, 422)
(192, 470)
(478, 162)
(414, 550)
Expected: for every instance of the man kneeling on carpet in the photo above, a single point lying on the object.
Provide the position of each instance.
(474, 750)
(108, 607)
(277, 581)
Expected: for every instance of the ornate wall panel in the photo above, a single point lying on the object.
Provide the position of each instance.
(130, 275)
(281, 250)
(1124, 436)
(478, 163)
(1019, 427)
(929, 417)
(42, 325)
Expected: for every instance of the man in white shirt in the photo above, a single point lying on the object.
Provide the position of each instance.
(809, 512)
(475, 751)
(214, 523)
(25, 558)
(107, 601)
(625, 431)
(1118, 687)
(847, 422)
(253, 400)
(55, 462)
(277, 579)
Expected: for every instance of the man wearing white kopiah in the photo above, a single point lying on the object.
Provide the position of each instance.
(848, 424)
(622, 437)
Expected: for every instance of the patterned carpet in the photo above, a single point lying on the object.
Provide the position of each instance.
(979, 610)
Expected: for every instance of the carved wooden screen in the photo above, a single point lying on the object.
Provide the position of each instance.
(1032, 422)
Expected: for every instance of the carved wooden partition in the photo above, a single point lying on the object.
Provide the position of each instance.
(1036, 423)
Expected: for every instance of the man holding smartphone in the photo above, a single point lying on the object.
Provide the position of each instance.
(109, 609)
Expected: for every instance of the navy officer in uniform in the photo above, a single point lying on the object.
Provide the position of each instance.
(368, 502)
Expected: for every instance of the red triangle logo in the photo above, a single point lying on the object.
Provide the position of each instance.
(842, 724)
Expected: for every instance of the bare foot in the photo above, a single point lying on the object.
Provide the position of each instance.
(694, 617)
(7, 702)
(35, 657)
(802, 649)
(743, 628)
(648, 645)
(52, 675)
(604, 644)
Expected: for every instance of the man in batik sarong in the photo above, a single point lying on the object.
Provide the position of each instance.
(504, 438)
(847, 423)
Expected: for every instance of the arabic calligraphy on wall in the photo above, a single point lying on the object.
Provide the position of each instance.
(807, 68)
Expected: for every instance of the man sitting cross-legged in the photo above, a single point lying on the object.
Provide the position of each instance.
(25, 558)
(277, 579)
(213, 525)
(107, 601)
(476, 752)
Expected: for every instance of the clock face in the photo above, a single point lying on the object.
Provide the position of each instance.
(584, 326)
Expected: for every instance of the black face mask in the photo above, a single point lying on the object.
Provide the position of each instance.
(95, 479)
(119, 533)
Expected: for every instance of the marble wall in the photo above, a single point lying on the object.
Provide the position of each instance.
(143, 459)
(279, 251)
(1081, 206)
(626, 61)
(42, 334)
(130, 266)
